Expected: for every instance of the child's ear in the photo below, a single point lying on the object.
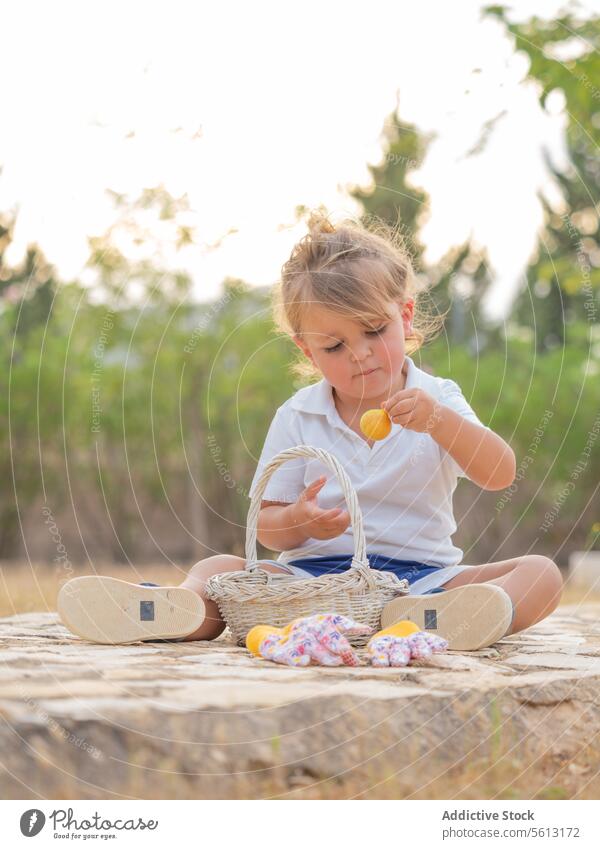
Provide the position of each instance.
(302, 345)
(408, 311)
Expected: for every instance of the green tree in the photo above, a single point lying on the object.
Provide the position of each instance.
(458, 283)
(563, 276)
(391, 195)
(27, 291)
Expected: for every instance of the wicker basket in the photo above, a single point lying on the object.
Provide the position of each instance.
(254, 596)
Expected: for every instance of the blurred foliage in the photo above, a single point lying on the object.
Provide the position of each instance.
(564, 55)
(563, 277)
(548, 409)
(31, 284)
(120, 417)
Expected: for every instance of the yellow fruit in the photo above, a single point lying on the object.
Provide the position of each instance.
(376, 424)
(399, 629)
(256, 635)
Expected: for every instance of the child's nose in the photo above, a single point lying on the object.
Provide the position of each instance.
(361, 352)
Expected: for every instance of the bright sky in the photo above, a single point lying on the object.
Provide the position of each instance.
(254, 108)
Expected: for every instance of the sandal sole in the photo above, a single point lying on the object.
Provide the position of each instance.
(111, 611)
(470, 617)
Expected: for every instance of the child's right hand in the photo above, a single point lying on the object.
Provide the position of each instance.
(316, 522)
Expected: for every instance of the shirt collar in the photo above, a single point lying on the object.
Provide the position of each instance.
(318, 397)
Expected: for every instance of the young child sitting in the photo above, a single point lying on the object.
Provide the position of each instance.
(347, 298)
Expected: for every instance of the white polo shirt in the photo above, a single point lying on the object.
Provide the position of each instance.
(404, 483)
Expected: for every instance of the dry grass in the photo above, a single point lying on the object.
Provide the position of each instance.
(575, 595)
(507, 774)
(25, 588)
(510, 772)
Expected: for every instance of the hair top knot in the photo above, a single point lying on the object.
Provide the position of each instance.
(319, 223)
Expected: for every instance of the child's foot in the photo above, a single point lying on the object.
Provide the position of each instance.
(108, 610)
(469, 617)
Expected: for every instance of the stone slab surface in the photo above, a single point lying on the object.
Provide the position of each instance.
(79, 720)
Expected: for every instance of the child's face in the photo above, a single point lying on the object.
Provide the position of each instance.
(343, 349)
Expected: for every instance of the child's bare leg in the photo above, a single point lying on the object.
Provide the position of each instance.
(533, 582)
(196, 580)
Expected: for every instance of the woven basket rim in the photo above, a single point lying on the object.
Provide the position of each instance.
(252, 583)
(360, 560)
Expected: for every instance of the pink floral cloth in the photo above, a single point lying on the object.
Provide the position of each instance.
(388, 650)
(320, 640)
(315, 639)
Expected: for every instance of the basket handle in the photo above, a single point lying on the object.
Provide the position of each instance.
(360, 561)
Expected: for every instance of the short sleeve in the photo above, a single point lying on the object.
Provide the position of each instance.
(452, 396)
(287, 482)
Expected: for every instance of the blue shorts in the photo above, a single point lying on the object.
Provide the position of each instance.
(422, 579)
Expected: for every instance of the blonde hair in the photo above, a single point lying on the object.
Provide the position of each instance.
(354, 270)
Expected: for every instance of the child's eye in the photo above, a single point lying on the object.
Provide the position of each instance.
(368, 332)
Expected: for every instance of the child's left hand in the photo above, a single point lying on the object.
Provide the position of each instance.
(414, 409)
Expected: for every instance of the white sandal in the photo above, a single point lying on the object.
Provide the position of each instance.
(108, 610)
(470, 617)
